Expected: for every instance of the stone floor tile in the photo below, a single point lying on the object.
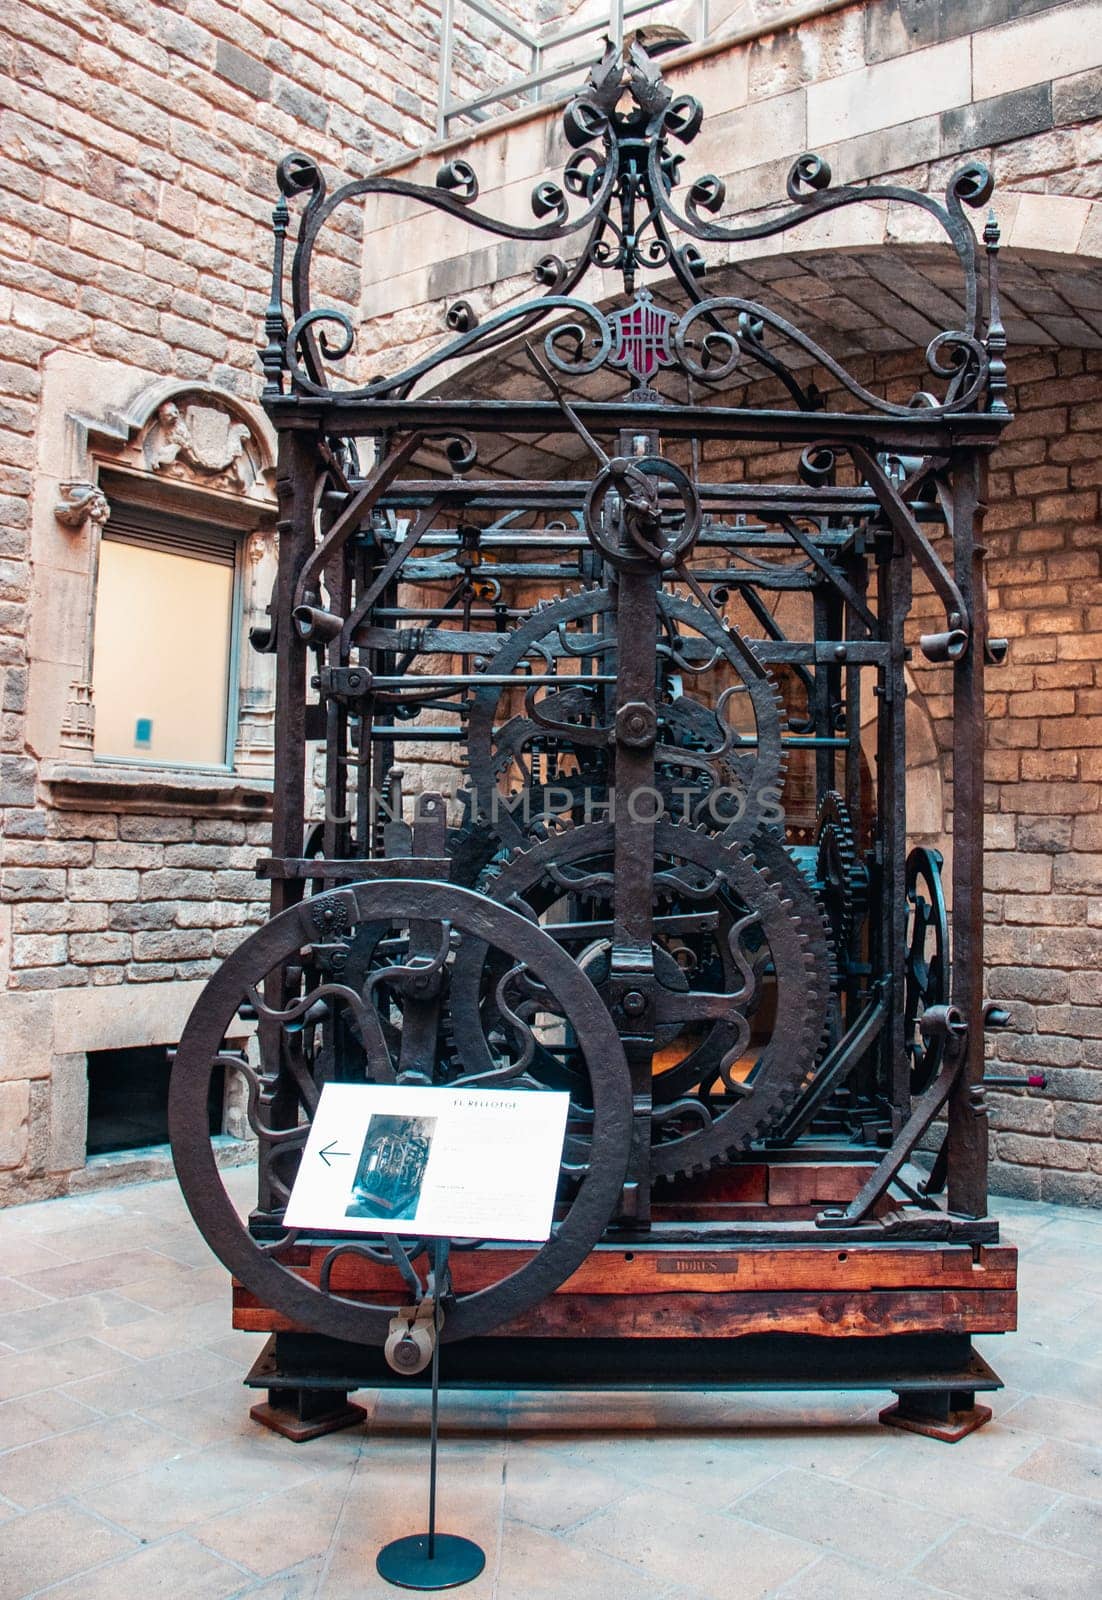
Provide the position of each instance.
(540, 1411)
(140, 1384)
(681, 1541)
(192, 1488)
(220, 1414)
(169, 1292)
(28, 1255)
(1070, 1468)
(1074, 1525)
(145, 1334)
(387, 1499)
(564, 1475)
(300, 1583)
(983, 1565)
(464, 1413)
(1055, 1419)
(16, 1297)
(219, 1411)
(38, 1220)
(97, 1273)
(1044, 1372)
(37, 1416)
(51, 1321)
(1001, 1447)
(833, 1451)
(1051, 1303)
(28, 1370)
(733, 1462)
(538, 1566)
(801, 1409)
(925, 1472)
(239, 1347)
(282, 1530)
(847, 1518)
(545, 1488)
(66, 1463)
(176, 1568)
(1082, 1337)
(43, 1547)
(835, 1578)
(185, 1245)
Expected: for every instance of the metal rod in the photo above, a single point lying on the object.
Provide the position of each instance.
(439, 1259)
(447, 24)
(535, 80)
(502, 680)
(500, 20)
(580, 30)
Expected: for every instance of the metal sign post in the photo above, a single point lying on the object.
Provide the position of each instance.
(432, 1560)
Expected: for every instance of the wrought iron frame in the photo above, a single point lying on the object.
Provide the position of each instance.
(877, 1029)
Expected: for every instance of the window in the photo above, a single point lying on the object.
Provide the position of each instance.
(163, 643)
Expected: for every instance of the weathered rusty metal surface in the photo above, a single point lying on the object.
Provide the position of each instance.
(670, 883)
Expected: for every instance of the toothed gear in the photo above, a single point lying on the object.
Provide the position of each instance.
(841, 876)
(754, 771)
(791, 941)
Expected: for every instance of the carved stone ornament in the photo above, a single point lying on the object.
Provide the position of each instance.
(81, 502)
(78, 726)
(199, 441)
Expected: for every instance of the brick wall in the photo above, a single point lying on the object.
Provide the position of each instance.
(1044, 777)
(138, 142)
(137, 149)
(103, 899)
(1043, 797)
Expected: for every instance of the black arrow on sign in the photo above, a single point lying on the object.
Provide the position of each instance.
(329, 1152)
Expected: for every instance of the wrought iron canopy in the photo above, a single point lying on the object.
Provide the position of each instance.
(621, 205)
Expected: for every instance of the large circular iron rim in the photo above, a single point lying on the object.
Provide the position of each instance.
(210, 1204)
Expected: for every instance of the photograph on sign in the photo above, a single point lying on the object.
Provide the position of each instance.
(439, 1163)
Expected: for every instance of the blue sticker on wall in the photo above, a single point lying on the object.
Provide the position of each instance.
(143, 733)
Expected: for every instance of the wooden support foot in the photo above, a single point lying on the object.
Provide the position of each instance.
(945, 1414)
(301, 1414)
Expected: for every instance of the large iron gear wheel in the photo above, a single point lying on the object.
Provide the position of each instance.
(793, 943)
(306, 937)
(756, 771)
(926, 966)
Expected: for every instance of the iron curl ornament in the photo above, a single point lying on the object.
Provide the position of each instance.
(622, 206)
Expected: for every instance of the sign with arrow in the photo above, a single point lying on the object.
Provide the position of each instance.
(436, 1163)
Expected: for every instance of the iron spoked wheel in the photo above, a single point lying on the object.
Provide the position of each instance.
(401, 988)
(927, 963)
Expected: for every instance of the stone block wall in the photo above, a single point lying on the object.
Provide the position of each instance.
(101, 899)
(1044, 776)
(1043, 793)
(138, 143)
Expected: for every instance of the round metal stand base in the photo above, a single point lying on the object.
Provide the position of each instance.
(405, 1562)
